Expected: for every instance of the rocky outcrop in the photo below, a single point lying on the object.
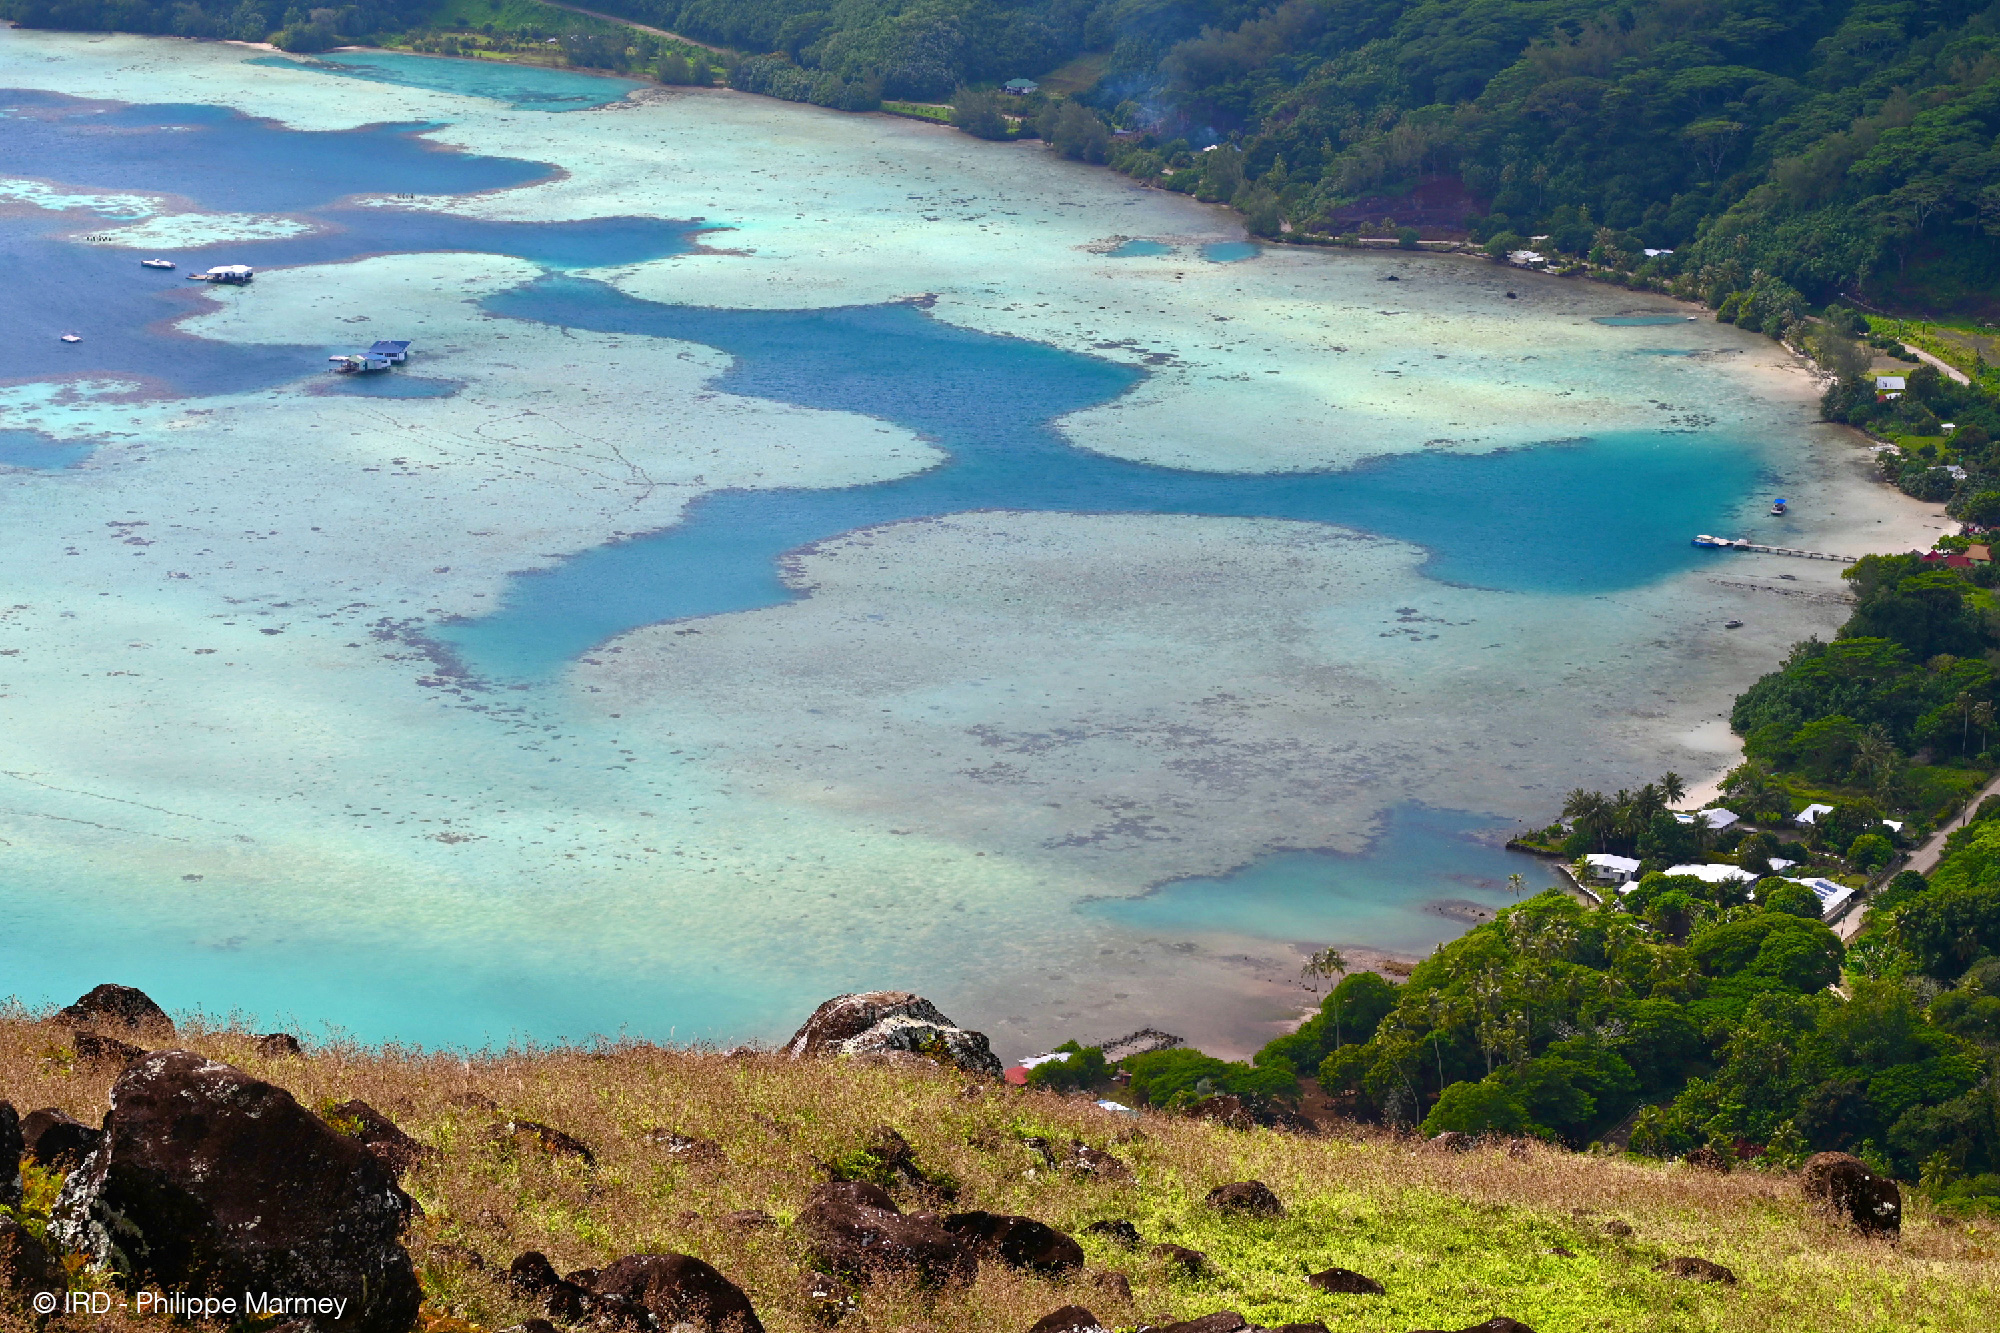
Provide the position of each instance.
(1499, 1323)
(112, 1006)
(26, 1266)
(1708, 1159)
(97, 1051)
(887, 1022)
(536, 1136)
(1345, 1282)
(1452, 1141)
(1018, 1242)
(1844, 1187)
(278, 1045)
(1246, 1198)
(209, 1181)
(379, 1135)
(856, 1230)
(12, 1145)
(675, 1291)
(57, 1140)
(1069, 1319)
(1117, 1230)
(1191, 1262)
(1699, 1270)
(1222, 1321)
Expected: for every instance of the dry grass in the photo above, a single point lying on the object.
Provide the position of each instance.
(1455, 1239)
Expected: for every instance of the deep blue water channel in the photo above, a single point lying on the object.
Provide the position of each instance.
(1585, 517)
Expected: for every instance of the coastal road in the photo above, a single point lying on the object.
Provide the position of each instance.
(657, 32)
(1925, 858)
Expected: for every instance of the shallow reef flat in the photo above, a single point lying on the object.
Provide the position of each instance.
(238, 762)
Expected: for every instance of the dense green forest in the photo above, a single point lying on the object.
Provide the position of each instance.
(1827, 146)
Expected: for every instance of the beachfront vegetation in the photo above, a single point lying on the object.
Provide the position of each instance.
(1555, 1240)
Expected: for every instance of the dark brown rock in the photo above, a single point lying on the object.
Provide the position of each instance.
(277, 1045)
(1113, 1284)
(891, 1022)
(120, 1007)
(1095, 1164)
(1225, 1109)
(97, 1051)
(1222, 1321)
(1700, 1270)
(26, 1266)
(1844, 1187)
(1708, 1159)
(530, 1326)
(1252, 1198)
(1191, 1262)
(856, 1230)
(1118, 1231)
(1622, 1230)
(828, 1299)
(1069, 1319)
(210, 1181)
(531, 1273)
(1314, 1327)
(1346, 1282)
(678, 1290)
(12, 1145)
(1452, 1141)
(56, 1140)
(1018, 1242)
(1499, 1323)
(379, 1135)
(685, 1147)
(539, 1137)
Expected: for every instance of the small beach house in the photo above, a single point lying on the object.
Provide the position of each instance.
(1832, 897)
(1715, 817)
(1713, 872)
(1811, 813)
(1889, 386)
(1020, 87)
(1608, 869)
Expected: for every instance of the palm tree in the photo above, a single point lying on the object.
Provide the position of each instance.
(1876, 758)
(1982, 717)
(1671, 787)
(1590, 812)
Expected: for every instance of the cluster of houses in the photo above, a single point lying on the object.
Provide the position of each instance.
(1622, 872)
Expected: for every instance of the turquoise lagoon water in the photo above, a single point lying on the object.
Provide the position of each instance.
(1387, 895)
(1230, 252)
(1503, 521)
(524, 87)
(34, 450)
(1139, 249)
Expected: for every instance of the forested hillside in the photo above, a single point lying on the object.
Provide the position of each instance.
(1833, 145)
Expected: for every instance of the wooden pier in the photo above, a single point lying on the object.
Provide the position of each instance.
(1709, 543)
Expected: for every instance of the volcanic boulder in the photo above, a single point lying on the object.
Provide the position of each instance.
(1845, 1187)
(1346, 1282)
(211, 1182)
(887, 1022)
(1018, 1242)
(1499, 1323)
(379, 1135)
(55, 1139)
(678, 1291)
(1700, 1270)
(1222, 1321)
(1069, 1319)
(1252, 1198)
(119, 1006)
(97, 1050)
(1117, 1230)
(26, 1266)
(277, 1045)
(11, 1147)
(856, 1230)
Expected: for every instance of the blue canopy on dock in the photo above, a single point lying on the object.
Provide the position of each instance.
(385, 347)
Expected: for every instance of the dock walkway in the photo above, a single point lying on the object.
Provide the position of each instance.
(1730, 544)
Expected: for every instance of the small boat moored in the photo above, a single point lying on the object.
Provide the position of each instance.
(72, 337)
(1732, 624)
(358, 363)
(235, 274)
(156, 263)
(1778, 507)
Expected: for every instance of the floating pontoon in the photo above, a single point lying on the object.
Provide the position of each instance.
(358, 363)
(230, 273)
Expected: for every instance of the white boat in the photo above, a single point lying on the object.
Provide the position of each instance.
(229, 273)
(358, 363)
(72, 337)
(156, 263)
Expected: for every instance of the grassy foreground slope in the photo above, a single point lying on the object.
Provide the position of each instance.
(1532, 1233)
